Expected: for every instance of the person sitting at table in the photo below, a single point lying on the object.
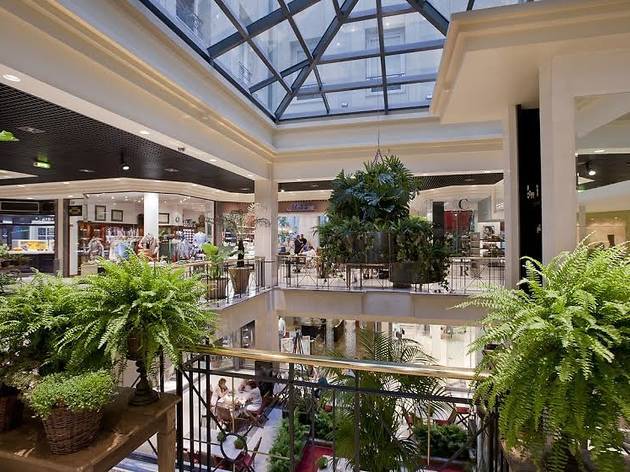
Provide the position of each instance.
(221, 390)
(242, 387)
(253, 401)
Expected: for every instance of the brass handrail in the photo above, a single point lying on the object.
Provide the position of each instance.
(440, 371)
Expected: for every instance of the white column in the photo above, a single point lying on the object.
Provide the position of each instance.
(266, 237)
(351, 338)
(510, 197)
(61, 224)
(582, 231)
(330, 334)
(557, 143)
(151, 213)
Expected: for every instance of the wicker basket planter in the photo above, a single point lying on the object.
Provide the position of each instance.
(10, 412)
(70, 431)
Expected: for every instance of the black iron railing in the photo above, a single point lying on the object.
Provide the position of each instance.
(286, 412)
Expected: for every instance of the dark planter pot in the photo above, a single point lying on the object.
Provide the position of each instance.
(143, 393)
(378, 247)
(403, 274)
(240, 279)
(217, 288)
(11, 409)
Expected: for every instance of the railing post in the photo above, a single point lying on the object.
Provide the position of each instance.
(357, 423)
(292, 416)
(179, 390)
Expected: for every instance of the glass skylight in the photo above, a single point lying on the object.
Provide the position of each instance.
(315, 58)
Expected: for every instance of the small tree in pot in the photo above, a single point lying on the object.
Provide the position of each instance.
(560, 373)
(134, 310)
(239, 223)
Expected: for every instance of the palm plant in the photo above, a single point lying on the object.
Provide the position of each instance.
(382, 445)
(560, 375)
(239, 223)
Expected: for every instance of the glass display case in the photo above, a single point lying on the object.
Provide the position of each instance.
(30, 239)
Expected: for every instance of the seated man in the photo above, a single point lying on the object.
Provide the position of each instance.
(253, 401)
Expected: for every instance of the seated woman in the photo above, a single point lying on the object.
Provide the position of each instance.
(221, 390)
(254, 398)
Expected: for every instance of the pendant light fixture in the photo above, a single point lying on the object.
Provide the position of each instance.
(590, 171)
(123, 164)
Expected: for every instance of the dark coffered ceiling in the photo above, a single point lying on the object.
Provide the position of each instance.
(72, 141)
(426, 182)
(609, 169)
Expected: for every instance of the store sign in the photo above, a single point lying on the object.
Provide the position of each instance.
(301, 206)
(75, 210)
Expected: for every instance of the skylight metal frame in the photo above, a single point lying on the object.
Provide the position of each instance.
(343, 14)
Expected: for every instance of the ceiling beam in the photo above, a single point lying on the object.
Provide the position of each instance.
(270, 80)
(431, 13)
(387, 11)
(305, 49)
(259, 26)
(242, 30)
(381, 45)
(388, 51)
(318, 52)
(369, 83)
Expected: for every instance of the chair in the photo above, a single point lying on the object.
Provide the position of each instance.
(247, 462)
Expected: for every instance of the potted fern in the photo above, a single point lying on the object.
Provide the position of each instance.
(71, 408)
(134, 310)
(559, 372)
(217, 283)
(32, 320)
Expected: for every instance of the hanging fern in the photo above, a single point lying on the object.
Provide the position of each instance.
(560, 375)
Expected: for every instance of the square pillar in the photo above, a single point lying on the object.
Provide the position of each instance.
(510, 197)
(266, 237)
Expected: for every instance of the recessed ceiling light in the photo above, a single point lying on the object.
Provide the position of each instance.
(87, 171)
(70, 196)
(213, 160)
(11, 78)
(298, 180)
(599, 151)
(282, 190)
(244, 188)
(66, 183)
(21, 185)
(144, 132)
(171, 169)
(250, 175)
(29, 198)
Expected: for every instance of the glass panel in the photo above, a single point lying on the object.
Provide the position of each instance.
(354, 37)
(364, 5)
(313, 21)
(448, 7)
(423, 62)
(280, 46)
(249, 11)
(355, 101)
(270, 96)
(410, 94)
(493, 3)
(244, 65)
(305, 107)
(350, 71)
(409, 28)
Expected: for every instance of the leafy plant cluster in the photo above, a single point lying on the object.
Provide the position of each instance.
(280, 450)
(157, 304)
(216, 255)
(376, 199)
(383, 445)
(89, 391)
(445, 440)
(560, 375)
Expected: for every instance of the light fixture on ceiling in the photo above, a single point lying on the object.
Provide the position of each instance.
(282, 190)
(11, 78)
(123, 163)
(144, 132)
(590, 171)
(171, 170)
(32, 130)
(213, 160)
(599, 151)
(87, 171)
(250, 175)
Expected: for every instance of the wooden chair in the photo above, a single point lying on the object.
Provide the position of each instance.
(247, 462)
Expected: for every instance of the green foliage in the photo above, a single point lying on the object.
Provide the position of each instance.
(280, 459)
(445, 440)
(380, 193)
(7, 136)
(344, 240)
(560, 375)
(32, 319)
(89, 391)
(323, 422)
(241, 222)
(216, 255)
(240, 443)
(156, 303)
(322, 463)
(220, 436)
(383, 445)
